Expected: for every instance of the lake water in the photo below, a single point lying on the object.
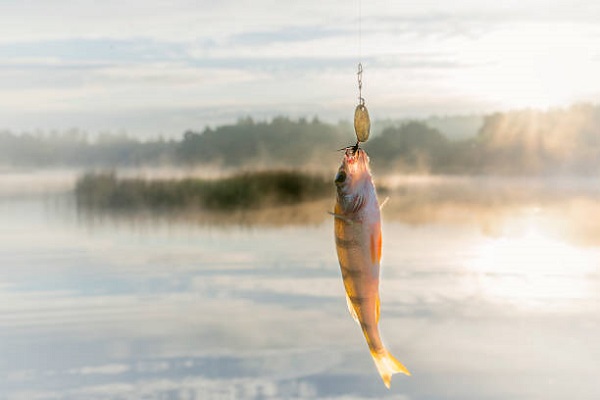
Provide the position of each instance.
(490, 290)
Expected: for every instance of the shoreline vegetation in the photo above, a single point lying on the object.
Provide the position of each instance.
(287, 198)
(242, 191)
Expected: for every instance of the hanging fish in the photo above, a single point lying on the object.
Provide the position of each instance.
(358, 244)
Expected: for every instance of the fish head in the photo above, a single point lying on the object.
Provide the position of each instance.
(352, 175)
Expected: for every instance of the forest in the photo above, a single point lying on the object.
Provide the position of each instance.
(562, 141)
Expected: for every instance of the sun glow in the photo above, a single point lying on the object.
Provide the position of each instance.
(532, 268)
(529, 65)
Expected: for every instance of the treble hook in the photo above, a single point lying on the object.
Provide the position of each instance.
(353, 148)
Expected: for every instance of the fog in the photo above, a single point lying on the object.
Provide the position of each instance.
(555, 142)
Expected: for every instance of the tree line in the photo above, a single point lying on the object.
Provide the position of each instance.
(523, 142)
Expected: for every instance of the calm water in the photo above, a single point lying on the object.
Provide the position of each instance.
(490, 290)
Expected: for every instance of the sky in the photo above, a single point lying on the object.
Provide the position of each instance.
(157, 67)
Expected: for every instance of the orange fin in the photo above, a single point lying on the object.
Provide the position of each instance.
(387, 365)
(376, 245)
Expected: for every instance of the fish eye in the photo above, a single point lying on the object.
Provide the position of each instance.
(340, 177)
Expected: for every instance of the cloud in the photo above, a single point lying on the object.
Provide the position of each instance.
(288, 34)
(146, 66)
(91, 51)
(107, 369)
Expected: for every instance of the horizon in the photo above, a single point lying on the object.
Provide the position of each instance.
(453, 126)
(150, 69)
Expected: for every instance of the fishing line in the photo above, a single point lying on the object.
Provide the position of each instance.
(362, 123)
(360, 67)
(359, 32)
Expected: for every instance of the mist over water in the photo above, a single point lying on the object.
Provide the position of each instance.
(489, 290)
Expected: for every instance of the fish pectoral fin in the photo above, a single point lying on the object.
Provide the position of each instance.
(352, 310)
(342, 217)
(375, 242)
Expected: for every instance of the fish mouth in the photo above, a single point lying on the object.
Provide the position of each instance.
(352, 151)
(353, 154)
(354, 164)
(346, 169)
(350, 165)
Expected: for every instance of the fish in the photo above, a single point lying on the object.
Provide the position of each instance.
(357, 228)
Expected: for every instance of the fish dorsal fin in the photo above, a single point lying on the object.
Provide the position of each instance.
(384, 202)
(352, 310)
(377, 309)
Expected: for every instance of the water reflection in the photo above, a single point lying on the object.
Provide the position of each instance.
(535, 268)
(496, 206)
(490, 290)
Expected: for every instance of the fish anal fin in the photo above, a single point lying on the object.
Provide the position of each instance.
(352, 310)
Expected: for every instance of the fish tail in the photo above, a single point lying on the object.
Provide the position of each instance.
(387, 365)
